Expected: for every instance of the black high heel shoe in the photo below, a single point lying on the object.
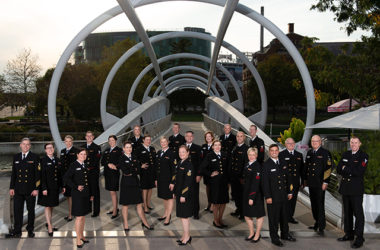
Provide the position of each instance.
(50, 234)
(250, 238)
(149, 228)
(80, 246)
(187, 242)
(85, 241)
(116, 215)
(167, 224)
(258, 239)
(161, 218)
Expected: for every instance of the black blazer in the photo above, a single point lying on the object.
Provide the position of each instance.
(184, 179)
(77, 175)
(253, 179)
(212, 163)
(295, 165)
(195, 158)
(25, 176)
(318, 167)
(130, 169)
(228, 144)
(237, 161)
(259, 144)
(94, 154)
(165, 165)
(51, 178)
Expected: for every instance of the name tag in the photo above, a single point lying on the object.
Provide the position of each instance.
(30, 161)
(49, 163)
(308, 156)
(320, 156)
(273, 170)
(62, 153)
(345, 160)
(143, 152)
(287, 159)
(17, 162)
(127, 161)
(78, 169)
(181, 168)
(213, 160)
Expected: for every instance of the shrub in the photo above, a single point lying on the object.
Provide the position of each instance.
(296, 130)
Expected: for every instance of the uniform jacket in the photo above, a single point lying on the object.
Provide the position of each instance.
(318, 167)
(25, 176)
(295, 165)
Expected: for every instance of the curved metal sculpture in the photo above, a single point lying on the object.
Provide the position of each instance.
(138, 3)
(185, 83)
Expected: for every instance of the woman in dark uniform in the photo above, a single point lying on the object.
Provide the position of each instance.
(146, 155)
(130, 191)
(76, 178)
(253, 199)
(68, 156)
(109, 161)
(207, 148)
(184, 193)
(165, 174)
(215, 166)
(51, 183)
(136, 139)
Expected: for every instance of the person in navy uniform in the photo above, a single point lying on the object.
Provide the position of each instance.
(236, 166)
(352, 167)
(136, 139)
(215, 165)
(195, 158)
(228, 140)
(278, 188)
(318, 167)
(257, 142)
(165, 174)
(77, 179)
(51, 184)
(92, 161)
(253, 199)
(146, 154)
(294, 161)
(24, 185)
(176, 140)
(206, 149)
(109, 162)
(68, 156)
(130, 191)
(183, 190)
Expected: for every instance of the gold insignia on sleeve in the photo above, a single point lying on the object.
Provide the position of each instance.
(173, 178)
(185, 190)
(175, 161)
(189, 173)
(327, 174)
(38, 183)
(291, 187)
(329, 162)
(39, 167)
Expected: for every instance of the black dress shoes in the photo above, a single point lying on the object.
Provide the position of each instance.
(196, 217)
(31, 234)
(249, 238)
(288, 238)
(13, 235)
(321, 232)
(94, 215)
(346, 238)
(315, 227)
(357, 243)
(293, 221)
(277, 243)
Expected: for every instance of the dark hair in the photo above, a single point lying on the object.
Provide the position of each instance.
(274, 146)
(146, 135)
(176, 123)
(90, 132)
(127, 142)
(113, 136)
(81, 149)
(253, 125)
(49, 143)
(189, 131)
(185, 147)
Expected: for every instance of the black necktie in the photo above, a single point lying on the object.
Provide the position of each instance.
(23, 156)
(218, 156)
(277, 163)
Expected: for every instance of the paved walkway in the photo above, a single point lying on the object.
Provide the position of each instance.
(105, 233)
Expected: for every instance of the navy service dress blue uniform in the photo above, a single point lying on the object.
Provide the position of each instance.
(237, 162)
(67, 157)
(228, 143)
(218, 183)
(147, 156)
(294, 161)
(165, 173)
(136, 142)
(205, 150)
(259, 144)
(184, 181)
(94, 154)
(112, 177)
(352, 168)
(25, 179)
(277, 185)
(51, 181)
(318, 166)
(253, 191)
(195, 156)
(130, 191)
(77, 175)
(175, 142)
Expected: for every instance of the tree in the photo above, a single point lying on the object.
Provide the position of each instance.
(22, 72)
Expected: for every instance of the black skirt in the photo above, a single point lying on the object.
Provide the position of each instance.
(163, 190)
(67, 192)
(81, 202)
(147, 178)
(184, 210)
(49, 200)
(129, 194)
(112, 178)
(219, 189)
(257, 210)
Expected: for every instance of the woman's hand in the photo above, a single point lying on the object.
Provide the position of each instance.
(250, 202)
(171, 187)
(44, 192)
(91, 198)
(182, 199)
(80, 188)
(214, 173)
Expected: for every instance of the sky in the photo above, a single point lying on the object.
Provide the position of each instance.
(47, 26)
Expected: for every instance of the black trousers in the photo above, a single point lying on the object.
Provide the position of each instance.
(317, 200)
(196, 198)
(353, 206)
(18, 209)
(95, 191)
(278, 213)
(237, 194)
(293, 202)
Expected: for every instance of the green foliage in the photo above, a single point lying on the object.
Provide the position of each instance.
(371, 145)
(295, 131)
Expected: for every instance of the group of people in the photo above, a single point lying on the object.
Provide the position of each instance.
(176, 169)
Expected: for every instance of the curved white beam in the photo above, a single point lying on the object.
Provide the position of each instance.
(185, 82)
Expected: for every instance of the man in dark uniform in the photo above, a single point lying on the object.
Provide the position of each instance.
(228, 140)
(278, 189)
(68, 156)
(352, 167)
(294, 162)
(238, 159)
(195, 158)
(176, 140)
(136, 139)
(25, 181)
(257, 142)
(92, 161)
(318, 167)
